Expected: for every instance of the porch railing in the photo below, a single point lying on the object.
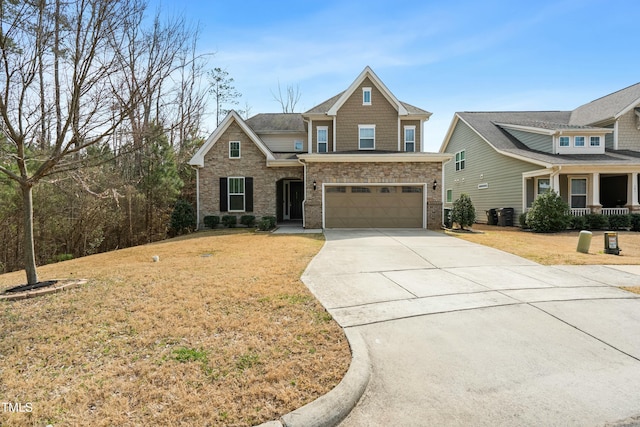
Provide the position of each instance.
(615, 211)
(580, 211)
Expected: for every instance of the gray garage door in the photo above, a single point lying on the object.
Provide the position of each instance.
(373, 206)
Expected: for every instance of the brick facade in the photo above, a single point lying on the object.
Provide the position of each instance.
(252, 163)
(369, 173)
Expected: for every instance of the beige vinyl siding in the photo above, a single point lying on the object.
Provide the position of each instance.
(628, 133)
(415, 123)
(283, 143)
(314, 135)
(484, 165)
(534, 141)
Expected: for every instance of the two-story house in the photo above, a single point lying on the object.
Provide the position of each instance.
(356, 160)
(590, 156)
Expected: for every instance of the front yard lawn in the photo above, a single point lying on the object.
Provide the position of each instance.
(220, 331)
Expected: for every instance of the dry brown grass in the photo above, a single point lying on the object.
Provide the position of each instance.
(555, 248)
(233, 338)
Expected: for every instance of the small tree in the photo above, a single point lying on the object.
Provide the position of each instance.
(548, 214)
(463, 212)
(183, 217)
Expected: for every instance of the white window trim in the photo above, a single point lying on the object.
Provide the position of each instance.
(459, 162)
(414, 138)
(586, 199)
(591, 144)
(584, 138)
(360, 127)
(239, 150)
(229, 194)
(537, 180)
(326, 132)
(364, 91)
(568, 143)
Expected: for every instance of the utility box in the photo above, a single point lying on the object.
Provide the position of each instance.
(584, 241)
(611, 243)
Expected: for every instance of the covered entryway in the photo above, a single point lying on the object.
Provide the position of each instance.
(374, 206)
(289, 197)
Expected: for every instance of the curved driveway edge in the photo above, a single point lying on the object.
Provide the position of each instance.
(333, 407)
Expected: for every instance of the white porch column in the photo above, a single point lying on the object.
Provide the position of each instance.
(555, 182)
(633, 186)
(595, 188)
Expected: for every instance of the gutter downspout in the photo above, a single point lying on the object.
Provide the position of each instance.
(197, 196)
(304, 201)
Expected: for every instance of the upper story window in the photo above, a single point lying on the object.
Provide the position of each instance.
(460, 160)
(323, 139)
(234, 149)
(594, 141)
(367, 137)
(564, 141)
(298, 145)
(366, 96)
(578, 141)
(410, 138)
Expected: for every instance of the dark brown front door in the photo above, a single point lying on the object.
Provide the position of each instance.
(296, 195)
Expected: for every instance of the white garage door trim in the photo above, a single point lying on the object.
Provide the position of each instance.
(377, 184)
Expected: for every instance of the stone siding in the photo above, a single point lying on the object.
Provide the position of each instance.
(252, 163)
(369, 173)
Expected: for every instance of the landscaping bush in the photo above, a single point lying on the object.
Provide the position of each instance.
(578, 223)
(248, 220)
(229, 220)
(211, 221)
(272, 221)
(635, 222)
(597, 221)
(463, 212)
(618, 222)
(548, 214)
(522, 219)
(183, 217)
(264, 225)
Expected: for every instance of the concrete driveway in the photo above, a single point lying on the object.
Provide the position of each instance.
(459, 334)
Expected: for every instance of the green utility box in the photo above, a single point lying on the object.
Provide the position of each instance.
(611, 243)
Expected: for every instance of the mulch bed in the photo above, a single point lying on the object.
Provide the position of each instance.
(41, 288)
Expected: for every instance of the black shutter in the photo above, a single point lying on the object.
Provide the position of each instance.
(223, 195)
(248, 194)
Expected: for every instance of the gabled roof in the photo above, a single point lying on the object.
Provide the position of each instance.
(198, 158)
(484, 125)
(277, 123)
(332, 105)
(607, 108)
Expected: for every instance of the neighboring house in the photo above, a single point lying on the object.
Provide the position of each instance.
(356, 160)
(590, 156)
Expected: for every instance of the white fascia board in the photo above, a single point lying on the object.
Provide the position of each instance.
(375, 158)
(627, 109)
(275, 163)
(449, 133)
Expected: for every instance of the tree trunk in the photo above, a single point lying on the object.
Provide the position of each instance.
(29, 248)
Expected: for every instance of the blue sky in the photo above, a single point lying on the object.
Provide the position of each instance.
(442, 56)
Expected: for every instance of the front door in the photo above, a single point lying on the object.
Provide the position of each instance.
(296, 195)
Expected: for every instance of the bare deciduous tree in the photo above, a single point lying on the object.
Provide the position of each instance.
(288, 100)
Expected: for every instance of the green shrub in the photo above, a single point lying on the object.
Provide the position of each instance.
(248, 220)
(60, 258)
(635, 222)
(211, 221)
(617, 222)
(578, 223)
(229, 220)
(264, 225)
(272, 221)
(183, 217)
(597, 221)
(522, 219)
(463, 212)
(548, 213)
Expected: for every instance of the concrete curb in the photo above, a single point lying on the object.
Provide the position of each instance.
(333, 407)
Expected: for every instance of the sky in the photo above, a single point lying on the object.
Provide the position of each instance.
(440, 55)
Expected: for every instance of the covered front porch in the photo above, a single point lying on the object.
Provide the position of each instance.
(607, 192)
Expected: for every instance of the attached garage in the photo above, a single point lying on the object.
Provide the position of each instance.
(374, 206)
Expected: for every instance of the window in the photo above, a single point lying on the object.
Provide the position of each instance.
(336, 190)
(460, 160)
(578, 192)
(323, 139)
(234, 149)
(544, 185)
(564, 141)
(578, 141)
(297, 145)
(388, 190)
(410, 138)
(236, 194)
(449, 196)
(594, 141)
(360, 190)
(366, 96)
(367, 137)
(412, 189)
